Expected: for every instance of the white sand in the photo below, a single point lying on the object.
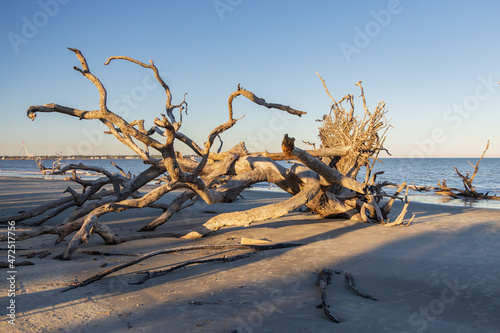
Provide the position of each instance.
(441, 274)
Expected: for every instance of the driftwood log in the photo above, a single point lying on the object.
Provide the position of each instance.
(116, 268)
(326, 180)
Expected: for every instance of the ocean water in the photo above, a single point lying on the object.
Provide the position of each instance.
(421, 172)
(427, 172)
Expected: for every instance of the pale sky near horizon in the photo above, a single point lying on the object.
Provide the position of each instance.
(434, 63)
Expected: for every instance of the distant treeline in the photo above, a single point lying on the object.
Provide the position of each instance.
(72, 157)
(79, 157)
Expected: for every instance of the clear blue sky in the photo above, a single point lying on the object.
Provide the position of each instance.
(435, 63)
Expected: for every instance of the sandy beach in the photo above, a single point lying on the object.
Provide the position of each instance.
(440, 274)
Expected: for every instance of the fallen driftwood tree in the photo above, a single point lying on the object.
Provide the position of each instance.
(325, 278)
(469, 190)
(325, 180)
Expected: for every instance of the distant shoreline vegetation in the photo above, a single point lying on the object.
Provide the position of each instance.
(82, 157)
(135, 157)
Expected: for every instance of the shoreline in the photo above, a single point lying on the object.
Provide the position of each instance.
(415, 197)
(439, 274)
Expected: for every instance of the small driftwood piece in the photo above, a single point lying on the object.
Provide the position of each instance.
(469, 190)
(154, 274)
(350, 283)
(99, 253)
(111, 270)
(40, 254)
(399, 220)
(23, 263)
(325, 278)
(419, 188)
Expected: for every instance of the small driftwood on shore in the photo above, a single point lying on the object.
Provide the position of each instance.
(350, 283)
(56, 165)
(469, 190)
(114, 269)
(325, 279)
(325, 180)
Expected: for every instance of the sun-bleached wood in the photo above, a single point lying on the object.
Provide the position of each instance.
(324, 179)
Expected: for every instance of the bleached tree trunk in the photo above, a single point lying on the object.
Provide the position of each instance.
(324, 179)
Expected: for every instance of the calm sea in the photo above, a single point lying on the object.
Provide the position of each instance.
(422, 172)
